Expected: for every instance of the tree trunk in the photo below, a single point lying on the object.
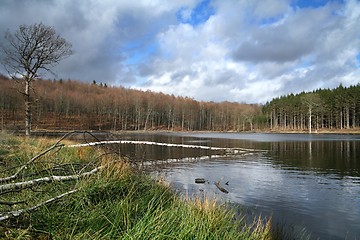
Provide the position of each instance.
(147, 118)
(27, 107)
(347, 116)
(354, 116)
(341, 119)
(275, 122)
(309, 119)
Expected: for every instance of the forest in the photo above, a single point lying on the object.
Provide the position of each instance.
(74, 105)
(337, 108)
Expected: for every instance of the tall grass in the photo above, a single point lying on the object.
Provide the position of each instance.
(120, 203)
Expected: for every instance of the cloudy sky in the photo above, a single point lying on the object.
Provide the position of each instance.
(213, 50)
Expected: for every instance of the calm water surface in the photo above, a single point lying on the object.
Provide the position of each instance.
(309, 184)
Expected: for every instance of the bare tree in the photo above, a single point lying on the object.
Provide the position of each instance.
(311, 101)
(32, 49)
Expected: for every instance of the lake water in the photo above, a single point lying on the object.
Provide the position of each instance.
(308, 184)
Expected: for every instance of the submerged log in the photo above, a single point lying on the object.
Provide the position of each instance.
(217, 184)
(228, 150)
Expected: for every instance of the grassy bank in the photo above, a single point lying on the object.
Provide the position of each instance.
(117, 202)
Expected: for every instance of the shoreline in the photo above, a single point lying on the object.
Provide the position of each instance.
(54, 132)
(116, 202)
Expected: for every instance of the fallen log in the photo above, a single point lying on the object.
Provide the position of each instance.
(217, 184)
(228, 150)
(17, 213)
(33, 182)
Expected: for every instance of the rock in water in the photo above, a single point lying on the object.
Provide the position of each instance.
(200, 180)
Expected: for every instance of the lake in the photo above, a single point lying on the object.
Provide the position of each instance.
(308, 184)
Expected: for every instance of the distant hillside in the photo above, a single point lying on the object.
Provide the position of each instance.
(69, 105)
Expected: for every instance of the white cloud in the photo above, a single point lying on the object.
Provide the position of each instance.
(270, 9)
(247, 51)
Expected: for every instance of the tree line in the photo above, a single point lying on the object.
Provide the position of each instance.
(69, 105)
(73, 105)
(337, 108)
(36, 48)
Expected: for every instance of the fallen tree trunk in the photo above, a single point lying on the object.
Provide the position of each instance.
(58, 144)
(33, 182)
(12, 185)
(17, 213)
(16, 174)
(230, 150)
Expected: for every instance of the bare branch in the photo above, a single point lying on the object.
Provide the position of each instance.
(33, 182)
(17, 213)
(15, 175)
(32, 49)
(14, 187)
(58, 144)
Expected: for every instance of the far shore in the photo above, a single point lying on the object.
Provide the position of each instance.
(60, 132)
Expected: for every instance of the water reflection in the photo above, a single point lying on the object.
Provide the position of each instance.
(328, 157)
(325, 205)
(311, 183)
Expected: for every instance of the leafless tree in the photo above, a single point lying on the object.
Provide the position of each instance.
(30, 50)
(311, 101)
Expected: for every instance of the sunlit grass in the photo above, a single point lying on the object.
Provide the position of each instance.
(117, 203)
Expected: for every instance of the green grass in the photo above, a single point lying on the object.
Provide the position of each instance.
(120, 203)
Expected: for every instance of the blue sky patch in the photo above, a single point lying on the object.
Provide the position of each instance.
(313, 3)
(196, 16)
(139, 50)
(272, 20)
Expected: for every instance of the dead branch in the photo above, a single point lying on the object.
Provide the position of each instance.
(16, 174)
(142, 142)
(33, 182)
(217, 184)
(17, 213)
(58, 145)
(13, 184)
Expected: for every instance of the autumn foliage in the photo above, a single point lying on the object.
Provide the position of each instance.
(74, 105)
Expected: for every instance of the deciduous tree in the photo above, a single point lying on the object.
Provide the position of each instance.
(31, 50)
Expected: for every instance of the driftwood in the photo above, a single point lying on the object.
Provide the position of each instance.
(217, 184)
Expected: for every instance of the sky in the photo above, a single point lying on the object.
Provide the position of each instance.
(243, 51)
